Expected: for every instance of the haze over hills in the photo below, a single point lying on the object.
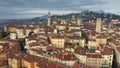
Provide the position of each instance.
(43, 19)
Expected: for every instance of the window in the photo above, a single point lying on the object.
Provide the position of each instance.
(95, 62)
(110, 59)
(110, 56)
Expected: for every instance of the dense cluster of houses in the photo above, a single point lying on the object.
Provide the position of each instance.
(68, 44)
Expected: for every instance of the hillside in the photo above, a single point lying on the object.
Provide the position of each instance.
(86, 15)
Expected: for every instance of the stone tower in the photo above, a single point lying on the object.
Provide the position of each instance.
(98, 25)
(73, 19)
(48, 22)
(78, 21)
(54, 20)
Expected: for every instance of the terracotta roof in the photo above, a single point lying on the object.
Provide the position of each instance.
(44, 43)
(76, 30)
(61, 24)
(94, 55)
(14, 25)
(50, 64)
(31, 58)
(41, 38)
(31, 28)
(56, 65)
(70, 46)
(39, 51)
(3, 62)
(33, 44)
(107, 51)
(116, 42)
(80, 51)
(28, 58)
(93, 33)
(50, 48)
(4, 44)
(101, 46)
(78, 65)
(42, 34)
(118, 48)
(90, 26)
(66, 55)
(32, 37)
(91, 39)
(74, 37)
(57, 36)
(43, 25)
(74, 25)
(102, 36)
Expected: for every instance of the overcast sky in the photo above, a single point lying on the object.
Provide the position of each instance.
(16, 9)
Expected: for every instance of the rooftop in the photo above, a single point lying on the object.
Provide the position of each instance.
(90, 55)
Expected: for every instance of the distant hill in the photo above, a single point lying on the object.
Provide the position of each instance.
(43, 19)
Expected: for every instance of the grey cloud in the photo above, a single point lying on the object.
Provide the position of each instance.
(48, 4)
(16, 7)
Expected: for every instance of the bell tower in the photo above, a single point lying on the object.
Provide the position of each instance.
(48, 21)
(98, 25)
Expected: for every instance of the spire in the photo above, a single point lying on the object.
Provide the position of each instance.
(98, 25)
(49, 15)
(54, 20)
(73, 17)
(78, 21)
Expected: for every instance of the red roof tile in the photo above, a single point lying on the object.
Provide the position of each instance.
(107, 51)
(118, 48)
(94, 56)
(90, 26)
(66, 55)
(80, 51)
(57, 36)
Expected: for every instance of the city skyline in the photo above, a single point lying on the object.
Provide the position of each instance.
(80, 40)
(16, 9)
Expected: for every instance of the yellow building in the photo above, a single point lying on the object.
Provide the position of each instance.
(101, 40)
(92, 44)
(3, 56)
(92, 35)
(82, 42)
(20, 32)
(57, 40)
(107, 59)
(10, 28)
(14, 62)
(74, 27)
(30, 61)
(81, 55)
(13, 35)
(28, 64)
(74, 39)
(61, 26)
(71, 47)
(94, 60)
(3, 64)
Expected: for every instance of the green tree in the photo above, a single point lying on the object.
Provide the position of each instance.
(30, 33)
(4, 34)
